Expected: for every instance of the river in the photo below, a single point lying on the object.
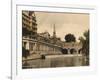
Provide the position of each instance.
(55, 61)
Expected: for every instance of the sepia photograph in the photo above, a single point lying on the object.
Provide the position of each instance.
(55, 39)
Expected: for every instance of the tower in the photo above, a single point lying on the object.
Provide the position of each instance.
(54, 34)
(54, 31)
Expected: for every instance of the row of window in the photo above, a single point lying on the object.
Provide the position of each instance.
(25, 25)
(28, 17)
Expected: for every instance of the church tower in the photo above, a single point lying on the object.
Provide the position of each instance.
(54, 34)
(54, 31)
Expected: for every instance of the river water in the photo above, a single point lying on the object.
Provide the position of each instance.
(49, 62)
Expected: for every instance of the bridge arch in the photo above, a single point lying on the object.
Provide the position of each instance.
(72, 51)
(64, 51)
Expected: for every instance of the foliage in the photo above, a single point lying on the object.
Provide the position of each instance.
(70, 38)
(85, 42)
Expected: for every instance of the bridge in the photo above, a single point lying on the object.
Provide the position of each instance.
(41, 47)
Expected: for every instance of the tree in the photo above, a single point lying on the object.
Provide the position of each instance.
(70, 38)
(85, 45)
(81, 39)
(85, 42)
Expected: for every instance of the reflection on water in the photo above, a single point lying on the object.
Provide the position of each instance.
(55, 62)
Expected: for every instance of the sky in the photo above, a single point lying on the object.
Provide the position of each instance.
(74, 23)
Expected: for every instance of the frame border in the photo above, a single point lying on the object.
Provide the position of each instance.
(92, 8)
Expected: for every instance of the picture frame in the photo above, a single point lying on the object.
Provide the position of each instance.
(50, 73)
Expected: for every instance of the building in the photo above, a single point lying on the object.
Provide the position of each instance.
(29, 25)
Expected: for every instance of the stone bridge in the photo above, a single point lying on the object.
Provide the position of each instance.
(35, 46)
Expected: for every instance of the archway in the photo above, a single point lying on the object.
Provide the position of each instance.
(72, 51)
(64, 51)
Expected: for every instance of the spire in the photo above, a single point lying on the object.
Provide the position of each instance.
(54, 31)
